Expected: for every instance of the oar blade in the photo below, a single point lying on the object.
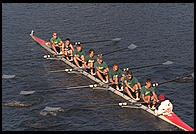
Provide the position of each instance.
(116, 39)
(26, 92)
(132, 46)
(168, 63)
(192, 74)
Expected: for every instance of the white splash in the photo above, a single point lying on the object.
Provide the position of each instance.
(117, 39)
(5, 76)
(132, 46)
(192, 74)
(51, 111)
(168, 63)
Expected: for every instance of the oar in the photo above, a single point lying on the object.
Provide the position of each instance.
(69, 70)
(39, 73)
(172, 80)
(97, 41)
(98, 105)
(47, 56)
(22, 59)
(151, 65)
(130, 47)
(55, 89)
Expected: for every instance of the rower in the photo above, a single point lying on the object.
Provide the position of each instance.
(130, 82)
(57, 44)
(69, 49)
(101, 69)
(148, 94)
(90, 60)
(115, 74)
(79, 56)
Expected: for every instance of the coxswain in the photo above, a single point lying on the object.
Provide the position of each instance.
(164, 106)
(69, 50)
(57, 44)
(90, 60)
(79, 56)
(130, 82)
(148, 94)
(115, 75)
(101, 69)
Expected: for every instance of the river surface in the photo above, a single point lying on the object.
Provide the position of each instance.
(161, 32)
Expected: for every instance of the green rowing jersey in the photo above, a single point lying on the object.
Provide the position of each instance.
(113, 73)
(90, 59)
(56, 41)
(101, 66)
(131, 81)
(146, 91)
(79, 54)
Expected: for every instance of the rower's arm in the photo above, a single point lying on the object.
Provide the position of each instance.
(98, 69)
(77, 58)
(155, 96)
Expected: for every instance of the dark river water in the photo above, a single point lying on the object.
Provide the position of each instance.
(161, 32)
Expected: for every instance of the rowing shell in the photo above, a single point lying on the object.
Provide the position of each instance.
(171, 118)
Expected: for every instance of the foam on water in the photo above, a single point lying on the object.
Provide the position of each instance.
(192, 74)
(51, 111)
(5, 76)
(132, 46)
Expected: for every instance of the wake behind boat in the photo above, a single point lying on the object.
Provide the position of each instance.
(168, 115)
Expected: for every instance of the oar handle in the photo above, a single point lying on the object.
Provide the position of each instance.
(122, 104)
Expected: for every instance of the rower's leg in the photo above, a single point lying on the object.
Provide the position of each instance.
(153, 99)
(147, 98)
(66, 55)
(135, 87)
(139, 85)
(107, 77)
(82, 58)
(128, 92)
(71, 54)
(154, 102)
(76, 61)
(90, 65)
(116, 82)
(54, 48)
(62, 48)
(122, 80)
(99, 75)
(106, 74)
